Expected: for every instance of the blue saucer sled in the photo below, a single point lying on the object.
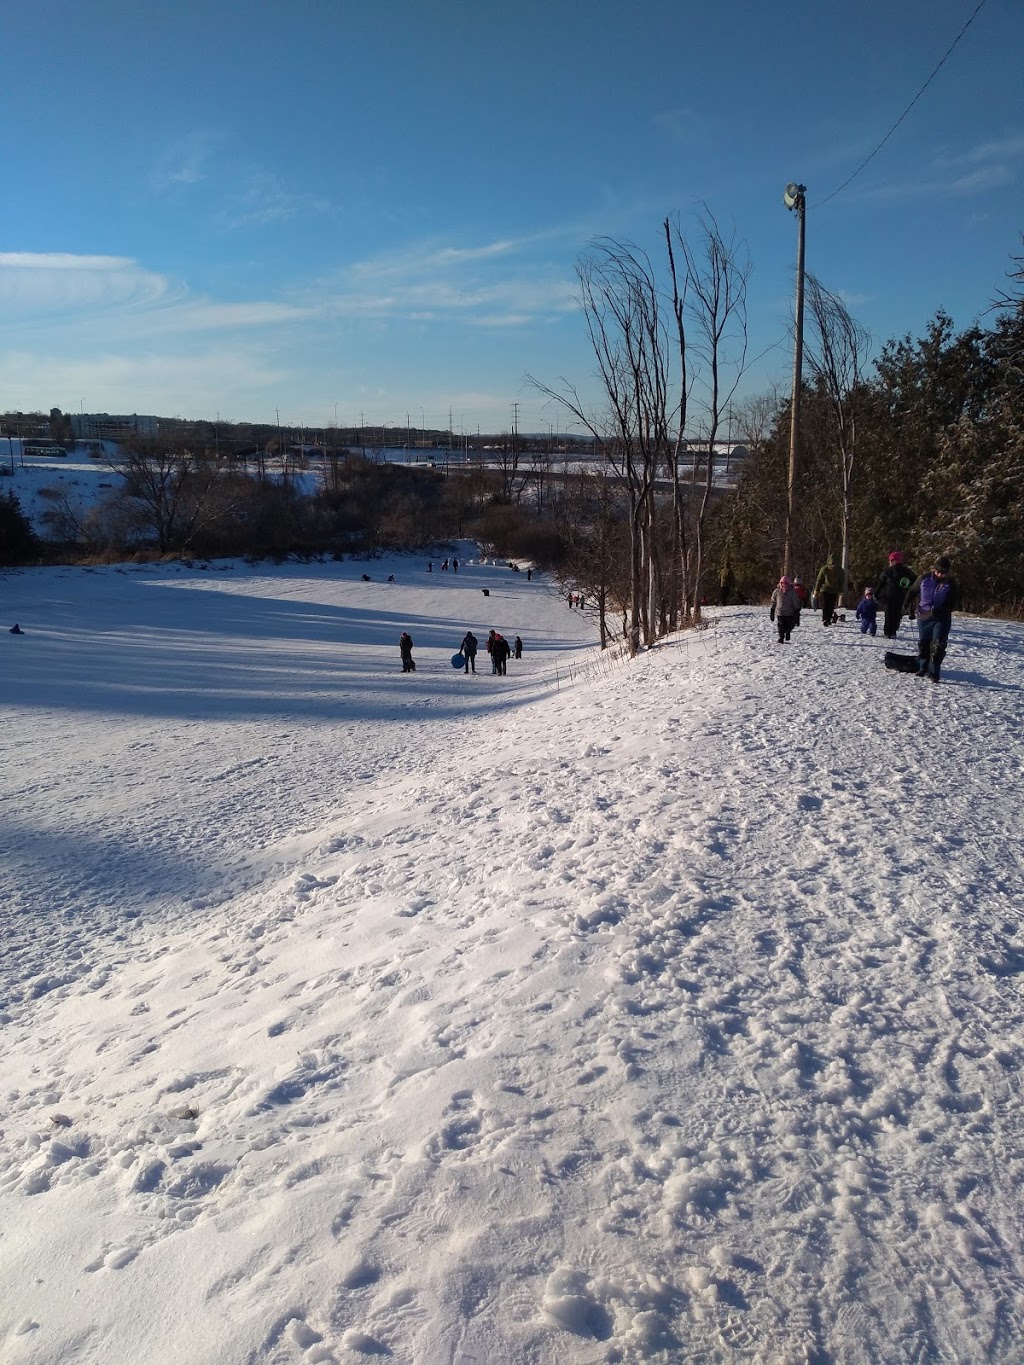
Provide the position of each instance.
(458, 661)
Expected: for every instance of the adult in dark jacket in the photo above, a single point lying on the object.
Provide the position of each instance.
(827, 587)
(500, 650)
(405, 650)
(935, 596)
(468, 651)
(891, 592)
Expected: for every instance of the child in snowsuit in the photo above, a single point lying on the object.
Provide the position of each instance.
(405, 650)
(891, 592)
(785, 608)
(803, 597)
(518, 650)
(867, 610)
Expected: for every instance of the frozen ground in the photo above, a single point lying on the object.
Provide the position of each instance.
(669, 1011)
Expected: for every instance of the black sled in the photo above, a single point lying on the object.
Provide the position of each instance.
(902, 663)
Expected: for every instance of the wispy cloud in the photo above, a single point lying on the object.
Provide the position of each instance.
(50, 283)
(260, 198)
(1004, 149)
(492, 284)
(985, 166)
(685, 127)
(187, 161)
(35, 288)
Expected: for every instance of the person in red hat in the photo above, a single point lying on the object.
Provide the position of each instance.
(891, 592)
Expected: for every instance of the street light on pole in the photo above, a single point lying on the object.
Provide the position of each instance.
(794, 198)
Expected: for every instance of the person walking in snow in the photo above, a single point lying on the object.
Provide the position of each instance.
(867, 610)
(405, 650)
(500, 650)
(935, 596)
(468, 650)
(802, 595)
(518, 648)
(891, 592)
(785, 608)
(827, 588)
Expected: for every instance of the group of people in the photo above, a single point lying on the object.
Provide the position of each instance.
(930, 597)
(444, 566)
(497, 647)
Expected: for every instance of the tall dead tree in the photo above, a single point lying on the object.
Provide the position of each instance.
(717, 272)
(837, 352)
(681, 546)
(621, 305)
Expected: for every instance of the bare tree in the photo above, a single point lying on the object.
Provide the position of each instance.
(621, 304)
(170, 488)
(681, 548)
(716, 304)
(1014, 296)
(838, 349)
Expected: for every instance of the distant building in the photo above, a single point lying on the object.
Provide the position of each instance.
(104, 426)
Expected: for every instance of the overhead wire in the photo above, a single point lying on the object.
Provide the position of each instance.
(871, 155)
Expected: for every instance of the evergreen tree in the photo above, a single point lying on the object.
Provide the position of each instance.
(17, 540)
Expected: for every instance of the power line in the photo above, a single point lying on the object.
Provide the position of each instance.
(978, 8)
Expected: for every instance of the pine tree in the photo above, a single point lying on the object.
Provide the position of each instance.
(17, 540)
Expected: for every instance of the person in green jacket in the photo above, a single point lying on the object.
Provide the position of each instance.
(827, 587)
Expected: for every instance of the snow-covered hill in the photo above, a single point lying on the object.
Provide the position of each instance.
(666, 1010)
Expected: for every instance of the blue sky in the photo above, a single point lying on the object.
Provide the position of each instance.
(377, 208)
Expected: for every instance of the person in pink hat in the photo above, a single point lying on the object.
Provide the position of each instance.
(785, 608)
(891, 592)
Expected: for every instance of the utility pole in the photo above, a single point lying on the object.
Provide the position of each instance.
(795, 199)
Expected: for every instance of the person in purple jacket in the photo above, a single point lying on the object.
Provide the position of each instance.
(935, 596)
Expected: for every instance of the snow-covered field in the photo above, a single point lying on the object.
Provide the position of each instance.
(652, 1011)
(78, 478)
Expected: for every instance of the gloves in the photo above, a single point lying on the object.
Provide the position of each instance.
(771, 614)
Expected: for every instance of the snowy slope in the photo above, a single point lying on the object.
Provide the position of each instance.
(670, 1012)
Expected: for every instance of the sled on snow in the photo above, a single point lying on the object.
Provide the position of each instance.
(901, 663)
